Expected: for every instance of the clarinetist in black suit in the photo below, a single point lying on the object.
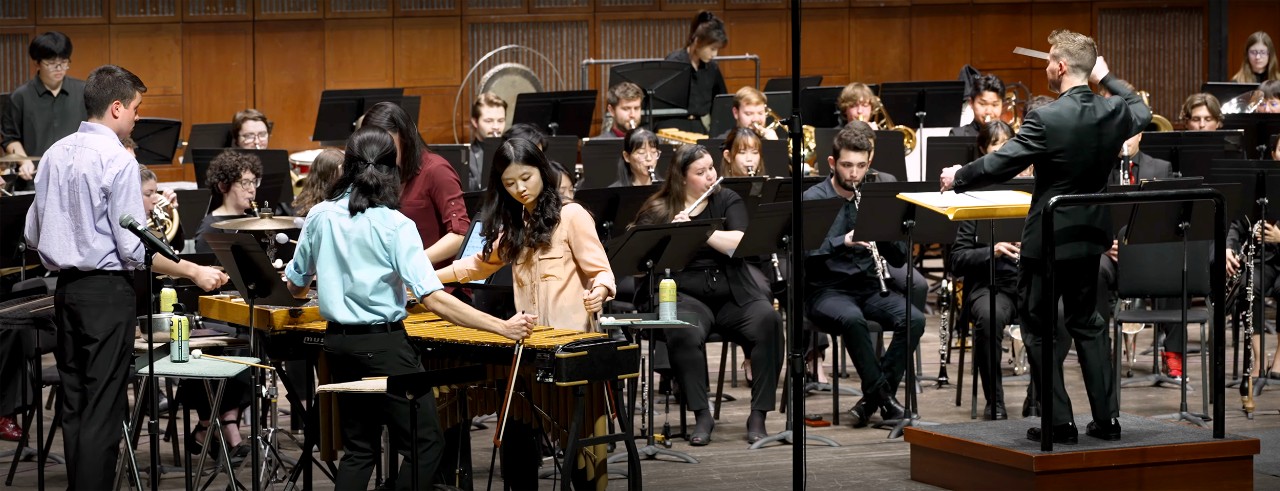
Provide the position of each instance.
(1073, 143)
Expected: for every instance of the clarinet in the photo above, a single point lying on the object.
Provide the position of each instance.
(882, 270)
(1247, 260)
(945, 294)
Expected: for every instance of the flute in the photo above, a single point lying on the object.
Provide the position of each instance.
(703, 197)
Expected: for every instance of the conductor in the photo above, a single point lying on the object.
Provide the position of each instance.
(1072, 142)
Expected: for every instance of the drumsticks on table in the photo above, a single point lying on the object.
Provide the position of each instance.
(197, 354)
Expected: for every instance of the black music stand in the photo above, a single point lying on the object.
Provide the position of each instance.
(491, 145)
(1007, 230)
(207, 135)
(645, 250)
(819, 106)
(566, 112)
(750, 189)
(458, 155)
(1258, 127)
(779, 190)
(665, 84)
(600, 161)
(920, 104)
(722, 115)
(563, 149)
(339, 109)
(1189, 152)
(276, 182)
(769, 230)
(895, 220)
(785, 85)
(823, 140)
(946, 151)
(157, 140)
(13, 247)
(890, 157)
(614, 208)
(256, 280)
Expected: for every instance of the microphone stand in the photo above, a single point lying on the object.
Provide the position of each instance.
(153, 389)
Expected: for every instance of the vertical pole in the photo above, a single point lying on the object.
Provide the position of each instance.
(796, 313)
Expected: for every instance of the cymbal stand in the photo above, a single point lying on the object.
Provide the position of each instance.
(273, 462)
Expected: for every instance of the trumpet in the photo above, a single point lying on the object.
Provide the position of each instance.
(163, 219)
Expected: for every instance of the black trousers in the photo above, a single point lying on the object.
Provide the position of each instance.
(988, 335)
(1076, 283)
(844, 310)
(354, 356)
(755, 326)
(95, 315)
(1173, 334)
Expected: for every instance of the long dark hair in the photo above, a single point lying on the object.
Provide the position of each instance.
(369, 171)
(990, 132)
(506, 215)
(635, 139)
(706, 29)
(390, 117)
(663, 205)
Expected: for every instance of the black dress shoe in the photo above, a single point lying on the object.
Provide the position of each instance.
(861, 413)
(1065, 434)
(1109, 431)
(892, 410)
(995, 411)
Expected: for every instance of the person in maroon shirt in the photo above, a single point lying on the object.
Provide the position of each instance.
(432, 195)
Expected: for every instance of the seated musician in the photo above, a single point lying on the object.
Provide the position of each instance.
(623, 109)
(1202, 112)
(858, 103)
(1259, 64)
(639, 159)
(1239, 234)
(251, 129)
(46, 108)
(706, 38)
(751, 110)
(364, 255)
(721, 290)
(152, 196)
(844, 283)
(742, 154)
(971, 259)
(325, 170)
(432, 194)
(987, 102)
(1266, 99)
(488, 119)
(567, 181)
(234, 179)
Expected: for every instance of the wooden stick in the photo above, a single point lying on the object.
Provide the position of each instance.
(197, 354)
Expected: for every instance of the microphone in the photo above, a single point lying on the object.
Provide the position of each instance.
(150, 241)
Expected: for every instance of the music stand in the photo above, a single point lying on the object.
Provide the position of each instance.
(491, 145)
(600, 161)
(339, 109)
(458, 155)
(769, 230)
(750, 189)
(722, 115)
(566, 112)
(775, 157)
(1189, 152)
(13, 247)
(820, 107)
(923, 104)
(779, 190)
(207, 135)
(1258, 127)
(563, 149)
(614, 208)
(891, 153)
(823, 141)
(157, 140)
(665, 84)
(1226, 91)
(256, 280)
(645, 250)
(412, 105)
(946, 151)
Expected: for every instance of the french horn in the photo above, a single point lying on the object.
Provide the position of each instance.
(163, 220)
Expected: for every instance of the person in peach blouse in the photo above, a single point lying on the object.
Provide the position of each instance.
(560, 270)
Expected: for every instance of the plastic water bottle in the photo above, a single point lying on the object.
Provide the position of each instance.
(667, 298)
(179, 336)
(168, 297)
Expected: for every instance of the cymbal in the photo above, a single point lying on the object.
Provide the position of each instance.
(255, 223)
(13, 157)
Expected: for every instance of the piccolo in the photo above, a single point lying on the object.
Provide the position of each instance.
(703, 197)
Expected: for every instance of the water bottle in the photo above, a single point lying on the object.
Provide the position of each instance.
(667, 298)
(168, 297)
(179, 336)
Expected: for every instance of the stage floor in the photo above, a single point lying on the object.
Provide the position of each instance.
(1135, 432)
(866, 458)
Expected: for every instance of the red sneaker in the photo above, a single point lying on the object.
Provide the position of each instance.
(9, 429)
(1173, 363)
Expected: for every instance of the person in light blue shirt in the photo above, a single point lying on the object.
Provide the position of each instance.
(364, 256)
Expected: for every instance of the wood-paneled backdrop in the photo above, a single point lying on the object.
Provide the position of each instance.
(203, 60)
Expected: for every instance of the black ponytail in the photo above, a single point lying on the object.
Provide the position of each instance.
(369, 171)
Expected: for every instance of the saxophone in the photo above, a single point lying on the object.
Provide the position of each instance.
(882, 268)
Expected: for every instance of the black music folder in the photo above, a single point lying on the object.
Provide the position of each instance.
(250, 270)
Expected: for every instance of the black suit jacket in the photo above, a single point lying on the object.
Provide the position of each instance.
(1073, 143)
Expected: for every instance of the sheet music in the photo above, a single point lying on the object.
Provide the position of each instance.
(972, 199)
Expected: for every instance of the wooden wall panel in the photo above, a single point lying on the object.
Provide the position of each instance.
(1244, 17)
(1046, 18)
(288, 69)
(997, 29)
(16, 67)
(940, 41)
(881, 40)
(428, 51)
(153, 52)
(17, 12)
(71, 11)
(824, 43)
(358, 54)
(92, 45)
(216, 10)
(217, 71)
(765, 33)
(1130, 38)
(435, 114)
(160, 106)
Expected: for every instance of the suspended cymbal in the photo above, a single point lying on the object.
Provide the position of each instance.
(255, 223)
(13, 157)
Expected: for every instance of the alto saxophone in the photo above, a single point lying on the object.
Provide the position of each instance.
(882, 268)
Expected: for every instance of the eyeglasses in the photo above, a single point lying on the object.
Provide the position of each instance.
(249, 183)
(1259, 53)
(260, 136)
(56, 65)
(647, 155)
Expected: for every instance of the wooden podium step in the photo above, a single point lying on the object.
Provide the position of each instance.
(1151, 454)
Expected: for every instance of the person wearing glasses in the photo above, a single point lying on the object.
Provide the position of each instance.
(45, 109)
(250, 129)
(1259, 63)
(639, 157)
(234, 178)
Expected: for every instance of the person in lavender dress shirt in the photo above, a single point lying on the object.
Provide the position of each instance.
(85, 183)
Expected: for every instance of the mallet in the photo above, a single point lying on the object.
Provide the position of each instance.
(197, 354)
